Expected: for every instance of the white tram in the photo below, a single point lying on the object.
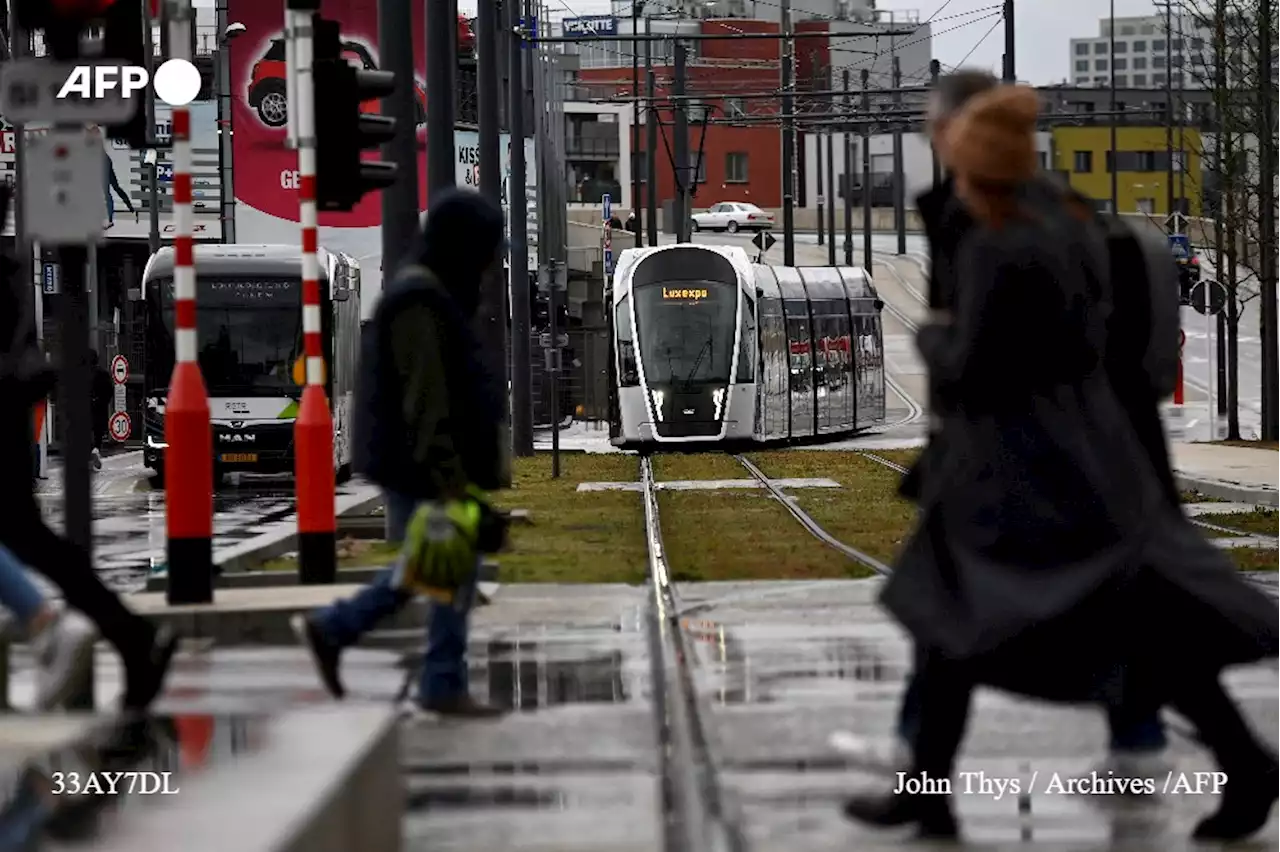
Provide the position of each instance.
(709, 347)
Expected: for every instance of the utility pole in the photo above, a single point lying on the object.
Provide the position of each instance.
(650, 137)
(1112, 165)
(680, 148)
(226, 122)
(152, 157)
(899, 178)
(521, 378)
(1267, 209)
(1219, 101)
(650, 155)
(1168, 123)
(935, 71)
(788, 140)
(831, 196)
(491, 318)
(442, 56)
(866, 170)
(1225, 242)
(848, 176)
(635, 123)
(400, 200)
(1010, 74)
(817, 149)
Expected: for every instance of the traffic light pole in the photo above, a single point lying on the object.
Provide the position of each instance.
(400, 200)
(188, 463)
(152, 167)
(313, 428)
(521, 373)
(492, 315)
(442, 32)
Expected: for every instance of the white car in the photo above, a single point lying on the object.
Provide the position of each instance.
(733, 216)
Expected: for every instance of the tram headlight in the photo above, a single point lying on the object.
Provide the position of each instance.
(717, 396)
(657, 404)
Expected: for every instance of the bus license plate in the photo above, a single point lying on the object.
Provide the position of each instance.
(239, 457)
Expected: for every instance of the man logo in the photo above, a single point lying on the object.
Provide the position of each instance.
(237, 438)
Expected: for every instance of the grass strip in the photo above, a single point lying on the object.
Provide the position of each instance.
(1254, 558)
(865, 512)
(670, 467)
(1259, 521)
(575, 536)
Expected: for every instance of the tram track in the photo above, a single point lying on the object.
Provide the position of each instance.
(696, 815)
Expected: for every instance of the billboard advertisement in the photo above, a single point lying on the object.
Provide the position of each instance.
(128, 193)
(266, 171)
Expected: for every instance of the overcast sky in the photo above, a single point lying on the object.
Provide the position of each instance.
(1044, 28)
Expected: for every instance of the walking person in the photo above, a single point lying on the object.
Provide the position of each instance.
(428, 424)
(111, 183)
(1137, 741)
(25, 379)
(101, 395)
(1035, 568)
(61, 640)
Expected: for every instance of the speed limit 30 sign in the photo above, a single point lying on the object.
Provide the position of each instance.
(120, 426)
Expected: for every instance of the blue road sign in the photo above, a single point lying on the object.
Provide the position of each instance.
(591, 25)
(50, 278)
(164, 171)
(530, 27)
(607, 202)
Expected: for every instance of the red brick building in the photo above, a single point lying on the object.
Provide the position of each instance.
(742, 160)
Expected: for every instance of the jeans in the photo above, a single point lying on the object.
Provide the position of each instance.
(17, 592)
(1130, 731)
(444, 669)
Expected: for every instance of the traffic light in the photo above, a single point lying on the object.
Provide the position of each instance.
(344, 129)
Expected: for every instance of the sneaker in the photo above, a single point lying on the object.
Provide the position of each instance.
(144, 676)
(463, 707)
(96, 459)
(324, 654)
(64, 653)
(878, 754)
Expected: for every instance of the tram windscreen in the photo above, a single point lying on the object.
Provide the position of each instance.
(686, 317)
(249, 332)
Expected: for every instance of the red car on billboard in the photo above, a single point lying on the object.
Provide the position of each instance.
(267, 91)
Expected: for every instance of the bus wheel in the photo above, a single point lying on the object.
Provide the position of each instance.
(157, 477)
(342, 474)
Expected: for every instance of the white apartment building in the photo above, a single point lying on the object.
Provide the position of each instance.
(1145, 56)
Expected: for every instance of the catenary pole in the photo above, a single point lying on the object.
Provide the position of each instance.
(400, 200)
(521, 373)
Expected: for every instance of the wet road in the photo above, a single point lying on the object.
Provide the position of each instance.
(129, 525)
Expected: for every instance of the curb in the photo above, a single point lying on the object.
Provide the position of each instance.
(1232, 491)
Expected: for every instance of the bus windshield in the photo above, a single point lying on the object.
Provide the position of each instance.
(249, 332)
(686, 331)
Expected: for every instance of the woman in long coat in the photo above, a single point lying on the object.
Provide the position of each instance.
(1046, 561)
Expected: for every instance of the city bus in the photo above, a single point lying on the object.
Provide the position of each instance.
(249, 333)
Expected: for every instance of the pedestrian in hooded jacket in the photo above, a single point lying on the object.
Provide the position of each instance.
(1035, 567)
(25, 379)
(1137, 738)
(428, 427)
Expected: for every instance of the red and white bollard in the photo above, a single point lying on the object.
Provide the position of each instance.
(188, 458)
(313, 429)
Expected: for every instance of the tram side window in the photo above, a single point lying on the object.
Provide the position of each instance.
(747, 343)
(628, 373)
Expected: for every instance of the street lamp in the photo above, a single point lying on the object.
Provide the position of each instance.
(226, 131)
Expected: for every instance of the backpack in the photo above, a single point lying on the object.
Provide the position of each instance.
(1145, 293)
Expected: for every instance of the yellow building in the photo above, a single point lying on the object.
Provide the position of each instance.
(1082, 155)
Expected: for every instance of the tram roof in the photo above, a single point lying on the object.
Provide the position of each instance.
(629, 258)
(244, 259)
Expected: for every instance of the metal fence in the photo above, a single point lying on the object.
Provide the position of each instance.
(584, 380)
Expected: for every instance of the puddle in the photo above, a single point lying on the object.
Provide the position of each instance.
(52, 796)
(529, 675)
